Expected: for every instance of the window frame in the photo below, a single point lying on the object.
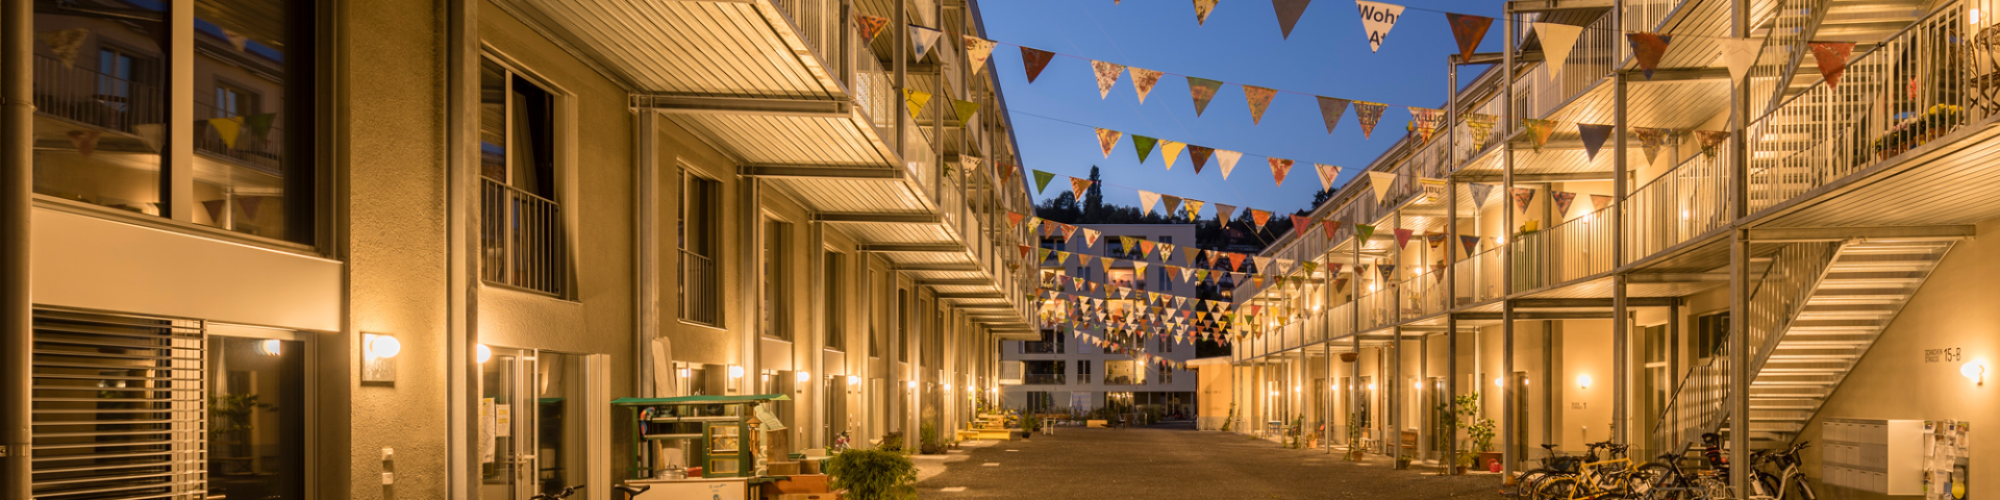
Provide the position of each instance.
(711, 239)
(775, 265)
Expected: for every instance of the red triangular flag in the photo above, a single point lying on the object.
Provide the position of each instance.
(1832, 59)
(1469, 30)
(1034, 60)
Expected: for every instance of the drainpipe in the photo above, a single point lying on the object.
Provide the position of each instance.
(1507, 119)
(1621, 404)
(17, 46)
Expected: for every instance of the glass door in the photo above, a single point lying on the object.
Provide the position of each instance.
(532, 421)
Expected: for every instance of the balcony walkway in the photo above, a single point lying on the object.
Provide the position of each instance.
(1170, 461)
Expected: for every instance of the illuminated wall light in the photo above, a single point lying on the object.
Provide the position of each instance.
(1583, 381)
(1371, 386)
(735, 371)
(378, 354)
(803, 376)
(271, 347)
(486, 353)
(912, 384)
(853, 380)
(682, 373)
(1975, 371)
(1496, 382)
(383, 346)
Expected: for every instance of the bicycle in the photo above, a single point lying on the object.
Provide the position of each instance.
(1591, 480)
(1776, 486)
(565, 493)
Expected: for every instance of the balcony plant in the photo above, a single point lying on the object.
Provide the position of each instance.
(1479, 432)
(1933, 123)
(872, 475)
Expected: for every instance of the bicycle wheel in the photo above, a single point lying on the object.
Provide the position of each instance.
(1528, 480)
(1658, 481)
(1559, 488)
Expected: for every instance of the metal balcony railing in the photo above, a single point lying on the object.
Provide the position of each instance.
(1423, 295)
(259, 142)
(1054, 347)
(1043, 379)
(83, 95)
(522, 240)
(1686, 202)
(701, 290)
(1479, 277)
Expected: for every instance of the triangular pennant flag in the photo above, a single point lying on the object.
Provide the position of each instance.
(1014, 219)
(1146, 248)
(1025, 249)
(1146, 201)
(1381, 181)
(260, 124)
(1171, 203)
(1362, 232)
(1201, 10)
(1279, 169)
(1069, 232)
(1144, 145)
(1709, 139)
(1598, 201)
(1224, 213)
(1593, 137)
(1832, 59)
(1042, 254)
(1330, 110)
(1557, 40)
(1369, 114)
(1538, 131)
(1260, 100)
(1288, 14)
(65, 44)
(922, 39)
(1388, 271)
(1647, 49)
(1077, 186)
(1194, 209)
(1481, 126)
(227, 129)
(1327, 173)
(1377, 19)
(1434, 239)
(1143, 80)
(1227, 160)
(977, 50)
(1468, 30)
(1329, 225)
(869, 26)
(1170, 150)
(1562, 200)
(1128, 245)
(964, 109)
(1263, 265)
(85, 141)
(1199, 155)
(249, 205)
(1403, 236)
(916, 99)
(1107, 76)
(1301, 224)
(1260, 217)
(1108, 139)
(1522, 197)
(1471, 244)
(1062, 258)
(1202, 90)
(215, 208)
(1650, 140)
(1479, 193)
(1236, 261)
(1090, 237)
(1042, 181)
(1034, 60)
(1427, 121)
(1083, 259)
(1739, 55)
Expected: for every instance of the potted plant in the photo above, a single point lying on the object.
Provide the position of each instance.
(872, 475)
(1030, 424)
(1354, 431)
(1227, 421)
(1479, 433)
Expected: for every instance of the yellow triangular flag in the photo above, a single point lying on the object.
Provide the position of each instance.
(916, 99)
(228, 128)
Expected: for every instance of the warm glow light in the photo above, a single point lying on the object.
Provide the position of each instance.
(1974, 19)
(1974, 370)
(805, 376)
(1274, 393)
(683, 373)
(853, 380)
(1295, 388)
(912, 384)
(384, 346)
(735, 371)
(1500, 240)
(1416, 385)
(1496, 382)
(486, 353)
(272, 347)
(947, 386)
(1371, 386)
(1583, 381)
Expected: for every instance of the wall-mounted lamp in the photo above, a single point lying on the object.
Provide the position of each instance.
(803, 376)
(735, 371)
(1497, 383)
(854, 380)
(1975, 371)
(947, 386)
(378, 354)
(271, 347)
(1371, 386)
(912, 384)
(486, 353)
(1583, 381)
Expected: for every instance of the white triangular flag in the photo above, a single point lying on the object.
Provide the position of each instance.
(1228, 159)
(1327, 173)
(1377, 19)
(1147, 199)
(1557, 40)
(1739, 54)
(1381, 181)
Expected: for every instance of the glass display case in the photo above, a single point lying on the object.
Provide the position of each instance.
(715, 434)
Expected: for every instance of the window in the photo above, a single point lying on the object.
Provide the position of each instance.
(521, 217)
(1166, 342)
(1083, 371)
(256, 417)
(1711, 334)
(903, 325)
(104, 96)
(835, 317)
(776, 317)
(700, 235)
(1166, 374)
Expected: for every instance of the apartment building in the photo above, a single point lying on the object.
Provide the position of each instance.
(1071, 367)
(377, 249)
(1774, 258)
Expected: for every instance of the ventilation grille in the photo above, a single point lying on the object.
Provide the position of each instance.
(118, 408)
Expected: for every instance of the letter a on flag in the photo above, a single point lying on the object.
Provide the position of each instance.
(1377, 19)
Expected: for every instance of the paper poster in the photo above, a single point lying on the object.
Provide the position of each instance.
(486, 430)
(503, 420)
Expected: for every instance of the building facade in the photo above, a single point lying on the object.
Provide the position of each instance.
(1769, 256)
(387, 249)
(1073, 367)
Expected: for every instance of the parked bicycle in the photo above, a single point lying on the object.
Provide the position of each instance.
(1775, 474)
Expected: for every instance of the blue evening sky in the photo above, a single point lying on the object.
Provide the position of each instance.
(1327, 54)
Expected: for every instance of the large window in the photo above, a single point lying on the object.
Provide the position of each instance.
(522, 241)
(700, 235)
(776, 314)
(106, 123)
(834, 281)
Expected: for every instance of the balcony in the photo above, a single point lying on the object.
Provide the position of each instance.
(1052, 347)
(86, 97)
(521, 240)
(1043, 379)
(257, 143)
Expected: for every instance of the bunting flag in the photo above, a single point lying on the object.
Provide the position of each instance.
(964, 109)
(1236, 261)
(249, 205)
(1468, 30)
(1202, 90)
(869, 26)
(1388, 271)
(1739, 55)
(1650, 140)
(1381, 181)
(1523, 196)
(1034, 60)
(1288, 14)
(977, 50)
(1301, 224)
(1327, 174)
(1647, 49)
(1260, 217)
(1199, 155)
(1538, 131)
(1144, 146)
(1479, 193)
(65, 44)
(1107, 76)
(1330, 109)
(1369, 114)
(1108, 139)
(1014, 219)
(1598, 201)
(1709, 139)
(1194, 210)
(227, 129)
(85, 141)
(1434, 239)
(1227, 160)
(1471, 244)
(1143, 80)
(1260, 100)
(1377, 19)
(1593, 138)
(1078, 186)
(215, 208)
(1427, 121)
(1362, 232)
(923, 39)
(1403, 237)
(1279, 169)
(1330, 225)
(1557, 40)
(1481, 127)
(1146, 201)
(260, 125)
(1201, 10)
(1224, 212)
(1170, 150)
(916, 99)
(1832, 59)
(1090, 237)
(1171, 203)
(1069, 232)
(1562, 200)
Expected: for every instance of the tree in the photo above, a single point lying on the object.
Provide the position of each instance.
(1062, 208)
(1320, 197)
(1093, 199)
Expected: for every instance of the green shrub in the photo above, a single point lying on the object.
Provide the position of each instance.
(928, 443)
(892, 441)
(873, 475)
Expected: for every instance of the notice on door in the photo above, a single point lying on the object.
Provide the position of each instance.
(486, 430)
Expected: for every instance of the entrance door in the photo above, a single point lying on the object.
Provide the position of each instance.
(532, 418)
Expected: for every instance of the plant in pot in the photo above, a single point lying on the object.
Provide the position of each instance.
(872, 475)
(1030, 424)
(1354, 431)
(1297, 423)
(1479, 433)
(929, 444)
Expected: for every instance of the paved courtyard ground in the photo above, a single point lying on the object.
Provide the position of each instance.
(1171, 462)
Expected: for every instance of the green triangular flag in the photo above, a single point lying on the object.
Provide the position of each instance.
(260, 124)
(1144, 145)
(1042, 181)
(1362, 232)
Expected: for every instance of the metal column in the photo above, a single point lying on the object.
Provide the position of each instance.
(1507, 118)
(17, 121)
(1621, 361)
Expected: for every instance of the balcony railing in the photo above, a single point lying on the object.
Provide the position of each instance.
(86, 96)
(1041, 347)
(1578, 248)
(1479, 277)
(818, 22)
(258, 142)
(1589, 60)
(1423, 295)
(1123, 380)
(701, 290)
(1043, 379)
(522, 242)
(1677, 206)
